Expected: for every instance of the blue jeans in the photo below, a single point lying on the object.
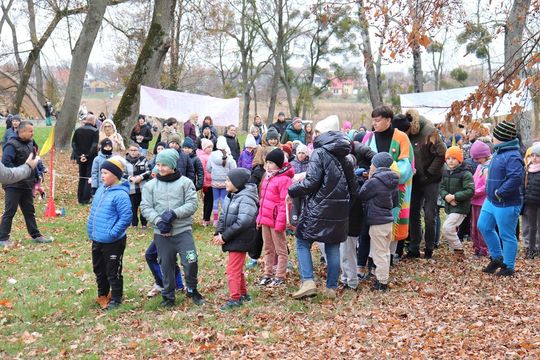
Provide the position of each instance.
(305, 262)
(505, 218)
(151, 256)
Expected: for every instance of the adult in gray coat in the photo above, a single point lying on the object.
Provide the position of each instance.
(13, 175)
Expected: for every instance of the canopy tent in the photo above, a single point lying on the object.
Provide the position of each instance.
(434, 105)
(166, 103)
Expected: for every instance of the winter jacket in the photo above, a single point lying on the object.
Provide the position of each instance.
(458, 182)
(96, 169)
(9, 134)
(532, 189)
(505, 175)
(246, 159)
(356, 213)
(189, 131)
(363, 155)
(238, 219)
(117, 140)
(110, 215)
(16, 152)
(280, 126)
(160, 196)
(204, 161)
(138, 166)
(85, 142)
(146, 133)
(234, 145)
(272, 204)
(199, 171)
(218, 172)
(380, 195)
(291, 134)
(429, 150)
(185, 166)
(13, 175)
(257, 174)
(300, 166)
(480, 177)
(328, 184)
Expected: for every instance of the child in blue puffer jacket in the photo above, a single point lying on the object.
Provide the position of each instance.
(107, 224)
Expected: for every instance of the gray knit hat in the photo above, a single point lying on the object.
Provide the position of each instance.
(382, 159)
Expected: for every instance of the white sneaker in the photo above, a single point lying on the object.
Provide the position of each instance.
(156, 290)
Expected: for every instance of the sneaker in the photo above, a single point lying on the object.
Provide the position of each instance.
(265, 281)
(245, 298)
(167, 303)
(156, 290)
(329, 293)
(251, 264)
(195, 296)
(231, 304)
(505, 271)
(144, 227)
(364, 276)
(308, 288)
(5, 244)
(377, 286)
(277, 282)
(42, 239)
(428, 254)
(113, 305)
(493, 265)
(412, 255)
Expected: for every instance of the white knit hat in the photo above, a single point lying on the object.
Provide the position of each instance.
(331, 123)
(250, 141)
(221, 143)
(301, 148)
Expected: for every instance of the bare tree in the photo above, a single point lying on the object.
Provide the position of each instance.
(38, 73)
(375, 95)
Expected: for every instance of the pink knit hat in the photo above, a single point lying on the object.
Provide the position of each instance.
(347, 125)
(480, 150)
(206, 143)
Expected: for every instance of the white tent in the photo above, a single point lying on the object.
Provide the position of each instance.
(434, 105)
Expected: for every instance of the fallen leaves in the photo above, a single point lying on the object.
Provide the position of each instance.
(6, 303)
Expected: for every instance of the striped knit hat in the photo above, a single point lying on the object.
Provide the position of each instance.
(505, 131)
(115, 165)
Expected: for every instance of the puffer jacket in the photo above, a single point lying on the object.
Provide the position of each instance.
(380, 195)
(293, 135)
(363, 155)
(135, 167)
(300, 166)
(532, 189)
(96, 169)
(238, 219)
(479, 177)
(15, 154)
(110, 215)
(217, 171)
(272, 211)
(246, 159)
(458, 182)
(199, 171)
(328, 184)
(429, 150)
(204, 161)
(160, 196)
(505, 175)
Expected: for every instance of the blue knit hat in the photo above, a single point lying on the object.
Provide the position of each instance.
(168, 157)
(188, 143)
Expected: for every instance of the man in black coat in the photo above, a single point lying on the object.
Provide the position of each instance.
(85, 147)
(19, 194)
(280, 125)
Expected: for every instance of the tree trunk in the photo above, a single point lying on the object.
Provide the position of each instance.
(278, 55)
(371, 76)
(79, 62)
(38, 73)
(418, 74)
(148, 68)
(5, 14)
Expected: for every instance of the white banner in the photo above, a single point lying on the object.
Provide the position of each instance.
(165, 104)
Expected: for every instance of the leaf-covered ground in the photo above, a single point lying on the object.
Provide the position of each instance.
(438, 309)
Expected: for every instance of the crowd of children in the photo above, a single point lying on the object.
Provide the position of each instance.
(249, 200)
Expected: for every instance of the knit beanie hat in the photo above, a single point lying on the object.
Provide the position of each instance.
(347, 125)
(188, 143)
(382, 159)
(106, 142)
(455, 152)
(115, 165)
(162, 143)
(239, 177)
(277, 157)
(480, 150)
(272, 133)
(168, 157)
(175, 138)
(296, 120)
(331, 123)
(535, 149)
(221, 143)
(505, 131)
(250, 141)
(302, 149)
(287, 149)
(206, 143)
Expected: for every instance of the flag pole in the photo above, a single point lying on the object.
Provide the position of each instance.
(50, 211)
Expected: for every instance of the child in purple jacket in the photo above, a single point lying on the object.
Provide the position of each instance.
(246, 157)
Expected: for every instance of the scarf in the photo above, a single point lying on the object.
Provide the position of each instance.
(171, 177)
(534, 168)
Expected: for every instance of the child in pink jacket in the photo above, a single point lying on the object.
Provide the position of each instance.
(208, 198)
(480, 153)
(272, 216)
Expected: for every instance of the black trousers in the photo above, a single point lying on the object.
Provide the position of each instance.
(84, 191)
(107, 264)
(24, 199)
(135, 203)
(208, 203)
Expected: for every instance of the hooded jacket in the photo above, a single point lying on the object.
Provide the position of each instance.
(116, 138)
(238, 219)
(272, 212)
(291, 134)
(111, 213)
(328, 185)
(460, 183)
(96, 169)
(505, 175)
(380, 195)
(198, 169)
(204, 161)
(246, 159)
(217, 171)
(429, 150)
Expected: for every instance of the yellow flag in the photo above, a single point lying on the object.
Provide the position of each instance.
(49, 143)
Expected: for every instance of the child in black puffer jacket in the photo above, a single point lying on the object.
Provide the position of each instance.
(531, 208)
(236, 231)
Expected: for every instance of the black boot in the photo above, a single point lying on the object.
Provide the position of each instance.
(377, 286)
(195, 296)
(493, 265)
(412, 255)
(505, 271)
(428, 254)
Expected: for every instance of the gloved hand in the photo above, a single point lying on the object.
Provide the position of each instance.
(359, 171)
(164, 227)
(168, 216)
